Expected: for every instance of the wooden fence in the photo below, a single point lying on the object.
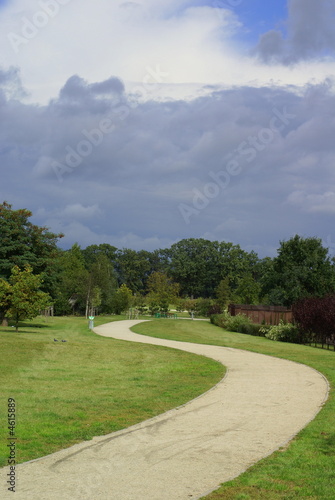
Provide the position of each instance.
(267, 315)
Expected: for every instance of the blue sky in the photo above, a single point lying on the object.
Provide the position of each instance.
(142, 123)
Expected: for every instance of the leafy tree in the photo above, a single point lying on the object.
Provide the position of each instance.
(315, 317)
(101, 275)
(122, 300)
(73, 282)
(302, 268)
(25, 243)
(162, 290)
(223, 293)
(22, 297)
(247, 291)
(199, 265)
(93, 252)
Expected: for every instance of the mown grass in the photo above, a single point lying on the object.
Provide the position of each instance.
(305, 468)
(68, 392)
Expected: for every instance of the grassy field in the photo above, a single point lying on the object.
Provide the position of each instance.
(68, 392)
(306, 468)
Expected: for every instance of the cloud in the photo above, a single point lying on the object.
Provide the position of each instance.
(310, 34)
(233, 157)
(314, 203)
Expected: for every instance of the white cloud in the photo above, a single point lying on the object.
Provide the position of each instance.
(314, 203)
(191, 44)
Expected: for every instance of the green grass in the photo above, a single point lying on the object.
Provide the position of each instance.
(304, 469)
(69, 392)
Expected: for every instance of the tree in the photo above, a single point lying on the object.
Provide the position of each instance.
(122, 299)
(25, 243)
(223, 293)
(162, 290)
(302, 268)
(247, 291)
(21, 297)
(315, 317)
(73, 282)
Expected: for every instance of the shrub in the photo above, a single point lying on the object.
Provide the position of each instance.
(240, 323)
(220, 319)
(315, 317)
(284, 332)
(203, 307)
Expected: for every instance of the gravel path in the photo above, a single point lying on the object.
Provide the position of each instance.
(187, 452)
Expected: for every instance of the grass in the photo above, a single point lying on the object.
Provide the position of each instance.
(68, 392)
(304, 469)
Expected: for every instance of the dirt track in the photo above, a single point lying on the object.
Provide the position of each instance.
(187, 452)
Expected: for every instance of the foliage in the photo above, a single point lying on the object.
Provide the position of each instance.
(162, 291)
(248, 290)
(203, 307)
(122, 300)
(25, 243)
(302, 268)
(284, 332)
(21, 297)
(73, 282)
(199, 265)
(223, 293)
(315, 317)
(239, 323)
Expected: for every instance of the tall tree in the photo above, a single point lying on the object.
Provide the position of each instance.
(23, 243)
(73, 282)
(303, 268)
(162, 290)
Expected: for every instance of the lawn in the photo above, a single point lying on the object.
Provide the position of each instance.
(68, 392)
(304, 469)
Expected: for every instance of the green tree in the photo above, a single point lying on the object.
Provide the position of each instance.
(162, 290)
(199, 265)
(22, 297)
(303, 268)
(223, 293)
(122, 299)
(248, 290)
(73, 282)
(25, 243)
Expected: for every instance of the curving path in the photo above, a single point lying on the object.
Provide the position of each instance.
(187, 452)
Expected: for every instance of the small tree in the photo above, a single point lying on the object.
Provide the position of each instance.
(223, 293)
(162, 290)
(122, 299)
(315, 317)
(22, 297)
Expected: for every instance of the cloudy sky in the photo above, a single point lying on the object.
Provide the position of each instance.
(141, 123)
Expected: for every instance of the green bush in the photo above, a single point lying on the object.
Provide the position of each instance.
(284, 332)
(240, 323)
(220, 319)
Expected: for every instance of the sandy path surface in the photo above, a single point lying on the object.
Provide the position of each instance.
(187, 452)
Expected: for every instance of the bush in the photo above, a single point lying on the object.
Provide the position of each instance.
(203, 307)
(284, 332)
(240, 324)
(220, 319)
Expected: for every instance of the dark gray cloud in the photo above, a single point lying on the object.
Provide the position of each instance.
(248, 165)
(309, 34)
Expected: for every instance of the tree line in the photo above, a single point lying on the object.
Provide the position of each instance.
(105, 279)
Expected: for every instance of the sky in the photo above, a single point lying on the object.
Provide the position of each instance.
(141, 123)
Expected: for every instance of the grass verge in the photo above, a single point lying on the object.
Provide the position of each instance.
(304, 469)
(68, 392)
